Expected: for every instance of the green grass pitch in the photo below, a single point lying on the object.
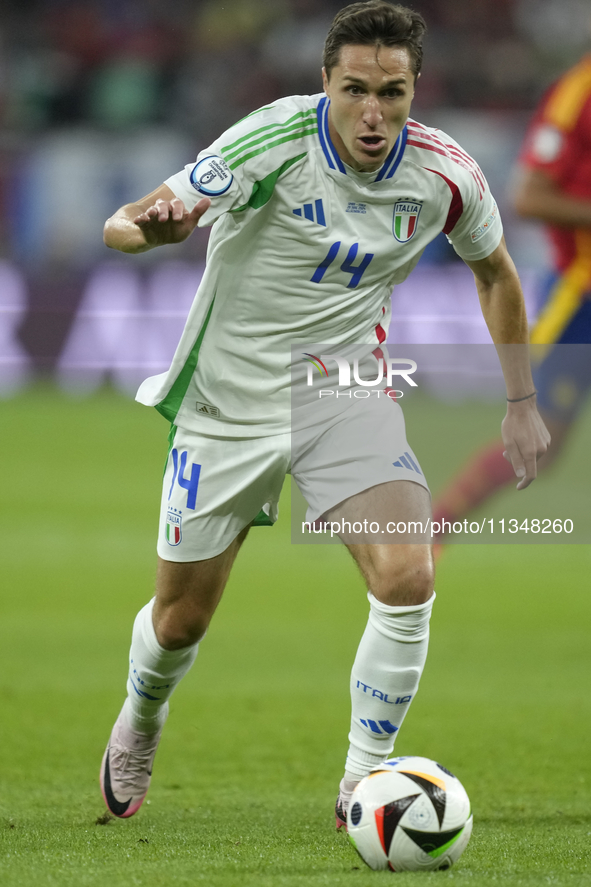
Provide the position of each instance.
(246, 776)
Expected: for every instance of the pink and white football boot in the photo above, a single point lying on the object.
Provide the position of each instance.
(126, 769)
(340, 814)
(343, 800)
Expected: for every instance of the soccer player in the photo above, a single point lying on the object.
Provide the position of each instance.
(554, 187)
(319, 204)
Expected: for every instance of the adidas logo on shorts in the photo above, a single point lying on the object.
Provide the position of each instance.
(406, 461)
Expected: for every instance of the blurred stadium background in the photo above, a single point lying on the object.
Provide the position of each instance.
(100, 100)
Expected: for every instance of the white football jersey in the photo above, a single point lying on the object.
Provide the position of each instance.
(305, 249)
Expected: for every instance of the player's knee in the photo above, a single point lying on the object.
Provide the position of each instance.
(176, 630)
(404, 581)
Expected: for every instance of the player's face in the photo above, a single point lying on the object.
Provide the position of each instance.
(370, 91)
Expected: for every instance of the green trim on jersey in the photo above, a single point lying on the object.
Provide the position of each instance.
(262, 520)
(262, 191)
(171, 435)
(252, 113)
(312, 128)
(171, 404)
(247, 141)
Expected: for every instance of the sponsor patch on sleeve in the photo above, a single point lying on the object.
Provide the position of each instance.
(547, 143)
(485, 226)
(211, 176)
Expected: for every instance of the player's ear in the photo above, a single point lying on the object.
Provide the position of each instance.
(325, 80)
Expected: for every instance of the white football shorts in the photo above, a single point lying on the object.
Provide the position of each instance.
(215, 486)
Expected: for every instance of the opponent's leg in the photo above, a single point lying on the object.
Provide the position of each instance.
(393, 649)
(164, 645)
(487, 472)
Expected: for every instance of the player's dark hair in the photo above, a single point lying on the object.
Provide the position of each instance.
(376, 23)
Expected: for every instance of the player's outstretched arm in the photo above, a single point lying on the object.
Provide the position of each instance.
(155, 220)
(525, 436)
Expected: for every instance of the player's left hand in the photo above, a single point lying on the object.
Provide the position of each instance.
(526, 438)
(168, 221)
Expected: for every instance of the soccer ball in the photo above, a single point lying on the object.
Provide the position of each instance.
(410, 814)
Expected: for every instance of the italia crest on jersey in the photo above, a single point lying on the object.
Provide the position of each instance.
(174, 523)
(405, 220)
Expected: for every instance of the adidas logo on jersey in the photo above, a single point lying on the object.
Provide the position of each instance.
(207, 409)
(314, 212)
(406, 461)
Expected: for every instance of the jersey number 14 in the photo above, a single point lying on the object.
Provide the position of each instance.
(348, 266)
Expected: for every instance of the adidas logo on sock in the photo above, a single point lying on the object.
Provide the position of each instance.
(386, 726)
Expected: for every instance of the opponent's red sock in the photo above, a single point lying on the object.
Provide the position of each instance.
(486, 472)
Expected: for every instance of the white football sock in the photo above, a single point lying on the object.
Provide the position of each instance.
(346, 789)
(153, 674)
(384, 680)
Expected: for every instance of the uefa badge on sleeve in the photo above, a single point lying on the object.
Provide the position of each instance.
(174, 532)
(211, 176)
(406, 217)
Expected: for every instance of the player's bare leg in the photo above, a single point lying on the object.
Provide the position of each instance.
(165, 641)
(393, 649)
(187, 595)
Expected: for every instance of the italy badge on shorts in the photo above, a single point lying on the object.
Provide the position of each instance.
(406, 217)
(174, 532)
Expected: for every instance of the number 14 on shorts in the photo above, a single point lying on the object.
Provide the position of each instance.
(190, 483)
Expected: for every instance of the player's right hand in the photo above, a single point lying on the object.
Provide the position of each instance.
(167, 221)
(526, 438)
